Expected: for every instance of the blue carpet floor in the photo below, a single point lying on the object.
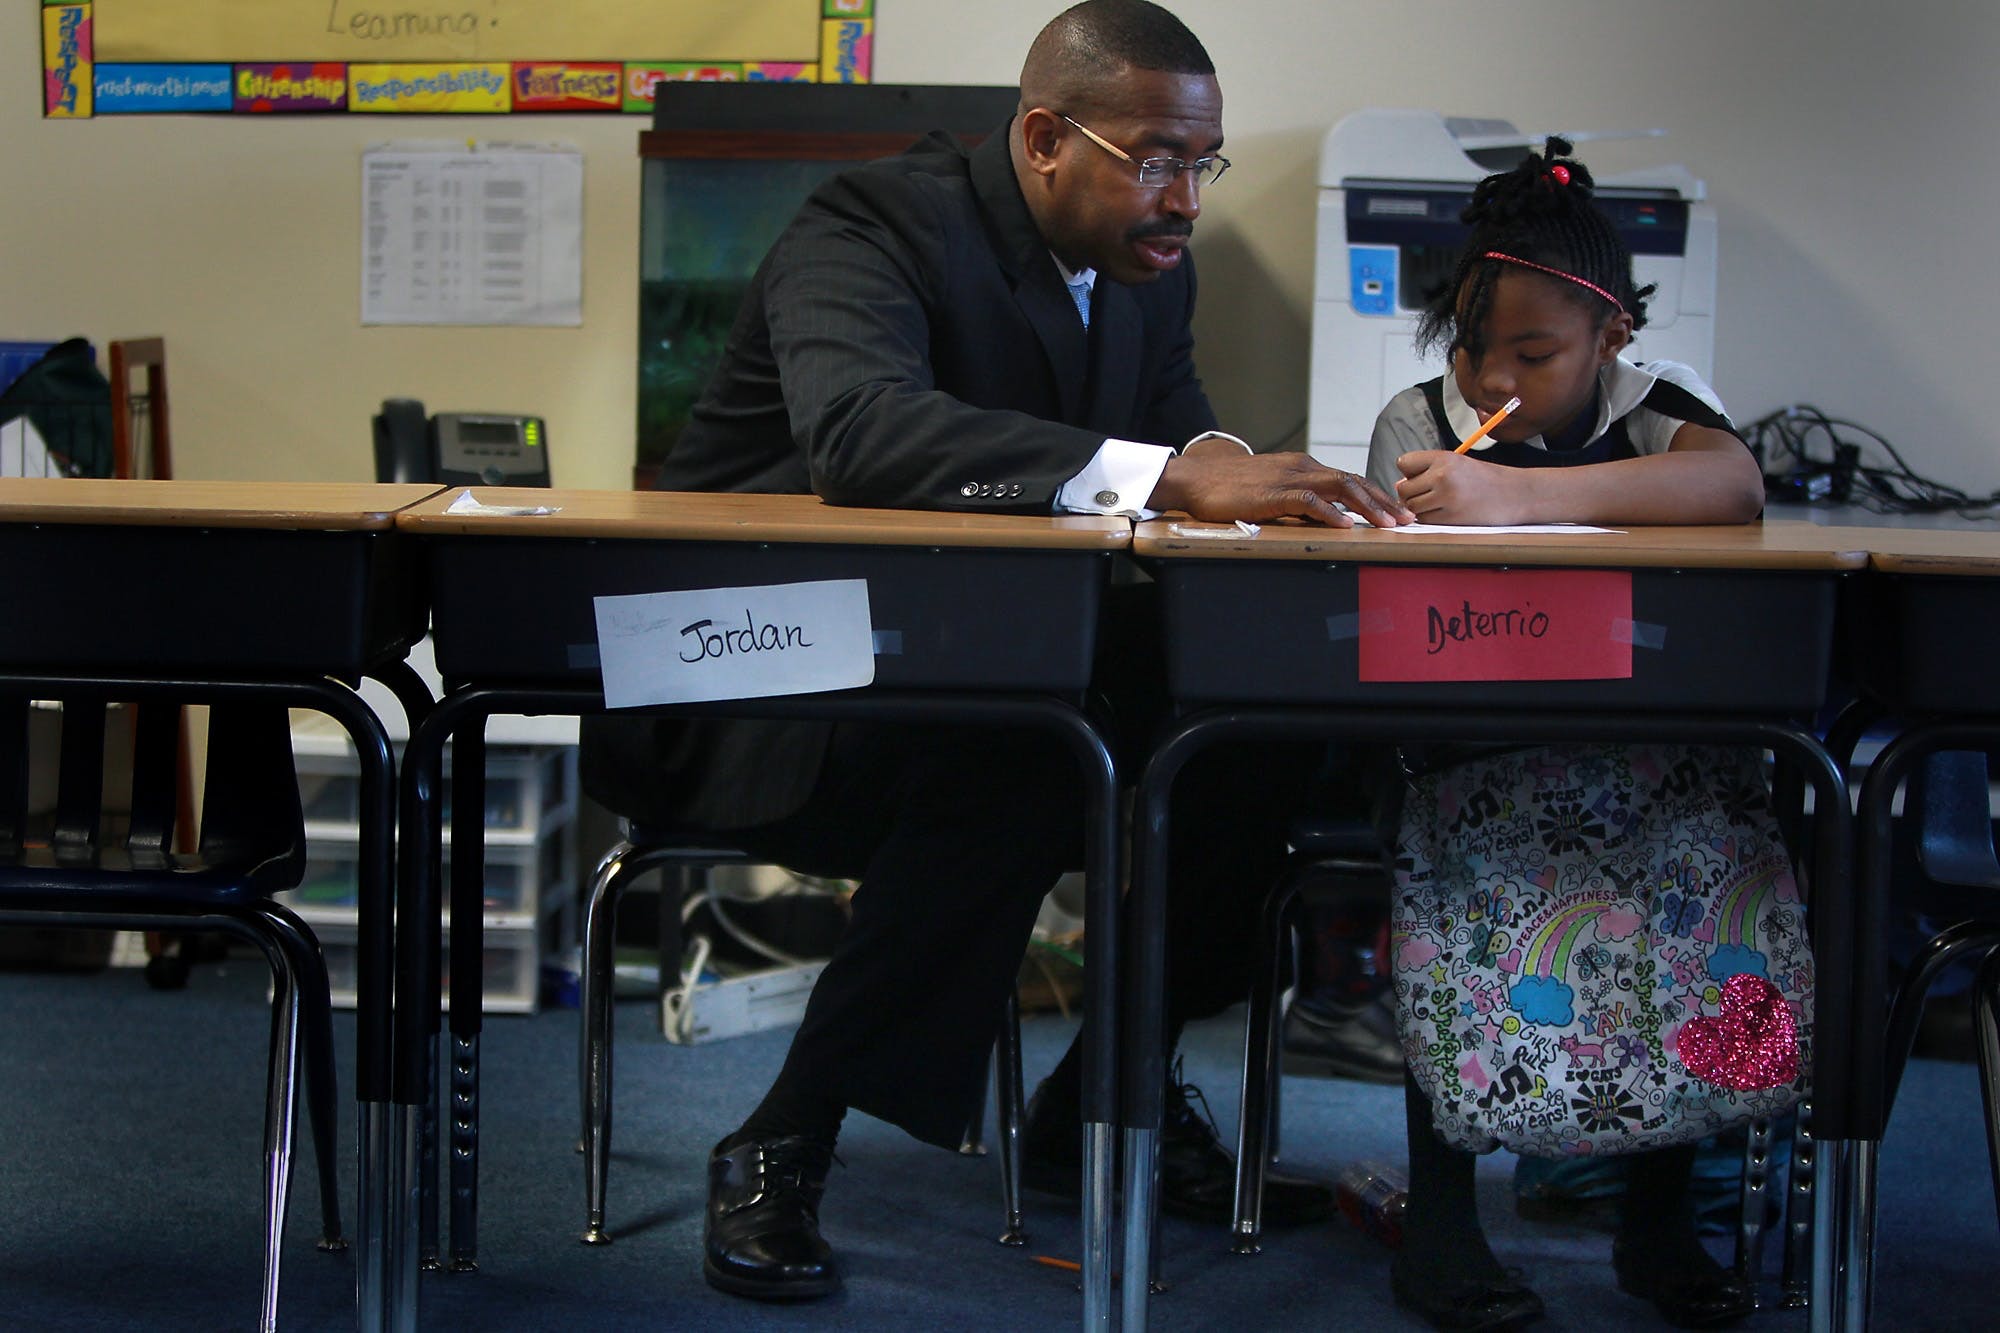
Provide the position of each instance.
(129, 1192)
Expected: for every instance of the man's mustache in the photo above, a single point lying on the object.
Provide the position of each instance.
(1176, 227)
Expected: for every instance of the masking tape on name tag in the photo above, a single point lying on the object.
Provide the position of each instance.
(1639, 634)
(1354, 624)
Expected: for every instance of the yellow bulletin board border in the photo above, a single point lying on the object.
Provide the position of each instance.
(78, 87)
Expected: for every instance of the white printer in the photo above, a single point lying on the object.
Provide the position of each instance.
(1391, 187)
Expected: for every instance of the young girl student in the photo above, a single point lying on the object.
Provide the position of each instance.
(1598, 948)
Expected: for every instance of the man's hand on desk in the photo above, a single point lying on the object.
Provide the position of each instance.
(1217, 481)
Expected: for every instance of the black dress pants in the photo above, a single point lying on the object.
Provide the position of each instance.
(956, 833)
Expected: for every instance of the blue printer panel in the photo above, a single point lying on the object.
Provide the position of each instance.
(1371, 273)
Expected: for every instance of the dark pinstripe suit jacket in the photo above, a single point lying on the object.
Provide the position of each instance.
(907, 343)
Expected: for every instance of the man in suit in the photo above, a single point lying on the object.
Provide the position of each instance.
(1002, 330)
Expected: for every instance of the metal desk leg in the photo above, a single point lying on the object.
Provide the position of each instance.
(1753, 1202)
(405, 1194)
(468, 951)
(1143, 1012)
(374, 977)
(1102, 931)
(1829, 1228)
(418, 930)
(427, 1164)
(371, 1217)
(1858, 1244)
(1099, 1155)
(1800, 1183)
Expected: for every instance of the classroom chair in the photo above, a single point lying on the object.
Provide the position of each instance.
(1947, 797)
(142, 447)
(141, 444)
(644, 848)
(103, 857)
(1350, 854)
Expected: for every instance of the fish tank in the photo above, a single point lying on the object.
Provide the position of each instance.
(723, 169)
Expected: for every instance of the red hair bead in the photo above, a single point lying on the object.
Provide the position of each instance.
(1559, 173)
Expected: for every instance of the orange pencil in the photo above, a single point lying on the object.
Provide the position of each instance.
(1473, 439)
(1067, 1265)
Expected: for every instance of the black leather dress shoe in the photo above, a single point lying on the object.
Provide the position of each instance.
(762, 1236)
(1197, 1174)
(1342, 1041)
(1707, 1299)
(1497, 1306)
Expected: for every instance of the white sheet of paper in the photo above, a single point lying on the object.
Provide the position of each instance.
(1421, 529)
(467, 503)
(453, 233)
(735, 643)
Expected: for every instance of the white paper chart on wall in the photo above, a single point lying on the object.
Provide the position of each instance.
(471, 234)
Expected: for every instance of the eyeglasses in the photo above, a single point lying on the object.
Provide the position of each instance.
(1156, 173)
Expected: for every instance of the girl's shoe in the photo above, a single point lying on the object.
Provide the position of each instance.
(1708, 1299)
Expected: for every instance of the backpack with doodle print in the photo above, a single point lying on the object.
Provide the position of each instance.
(1599, 949)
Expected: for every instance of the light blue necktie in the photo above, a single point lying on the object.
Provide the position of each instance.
(1079, 292)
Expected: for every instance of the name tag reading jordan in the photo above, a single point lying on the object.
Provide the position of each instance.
(1488, 624)
(735, 643)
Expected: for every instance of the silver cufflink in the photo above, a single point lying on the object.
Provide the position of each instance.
(1107, 498)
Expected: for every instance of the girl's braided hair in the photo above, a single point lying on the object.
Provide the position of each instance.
(1542, 214)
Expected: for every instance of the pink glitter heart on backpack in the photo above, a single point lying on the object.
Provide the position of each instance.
(1751, 1045)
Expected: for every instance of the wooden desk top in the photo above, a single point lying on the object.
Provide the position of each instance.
(1934, 551)
(1773, 544)
(287, 505)
(697, 516)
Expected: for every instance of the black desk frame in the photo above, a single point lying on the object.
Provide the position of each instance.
(1144, 1068)
(461, 717)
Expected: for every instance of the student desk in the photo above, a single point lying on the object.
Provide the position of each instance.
(1925, 632)
(1732, 630)
(192, 591)
(982, 619)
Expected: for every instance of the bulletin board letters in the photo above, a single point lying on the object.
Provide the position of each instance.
(109, 57)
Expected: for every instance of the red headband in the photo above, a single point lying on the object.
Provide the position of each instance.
(1558, 273)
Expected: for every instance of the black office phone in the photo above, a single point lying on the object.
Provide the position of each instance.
(459, 448)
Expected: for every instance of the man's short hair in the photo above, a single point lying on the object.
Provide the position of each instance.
(1092, 41)
(1132, 32)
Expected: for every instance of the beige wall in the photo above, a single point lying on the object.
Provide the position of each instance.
(1849, 150)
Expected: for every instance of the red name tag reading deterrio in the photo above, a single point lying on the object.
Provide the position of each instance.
(1495, 624)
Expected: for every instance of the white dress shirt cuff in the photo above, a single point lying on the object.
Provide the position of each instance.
(1218, 435)
(1119, 479)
